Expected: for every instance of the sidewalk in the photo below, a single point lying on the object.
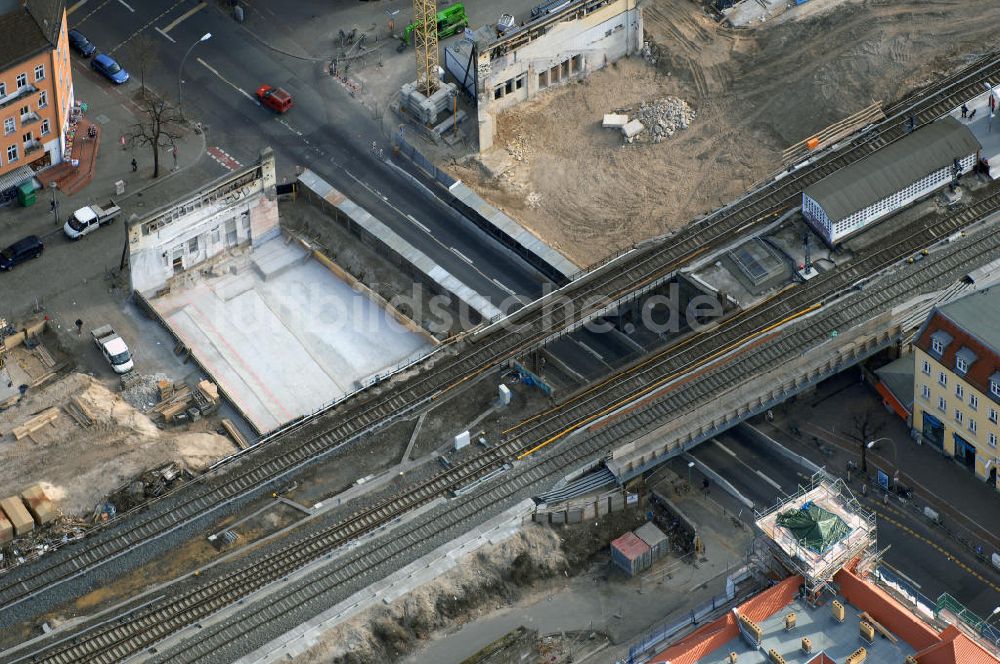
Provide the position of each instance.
(113, 113)
(947, 487)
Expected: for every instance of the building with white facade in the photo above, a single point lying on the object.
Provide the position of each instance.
(855, 197)
(499, 71)
(235, 210)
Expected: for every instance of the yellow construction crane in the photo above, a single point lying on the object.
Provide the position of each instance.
(425, 42)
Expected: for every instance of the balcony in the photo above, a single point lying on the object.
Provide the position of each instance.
(20, 93)
(29, 118)
(32, 146)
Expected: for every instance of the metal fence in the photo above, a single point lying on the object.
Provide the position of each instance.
(655, 637)
(423, 163)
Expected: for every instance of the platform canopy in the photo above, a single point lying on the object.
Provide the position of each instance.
(814, 527)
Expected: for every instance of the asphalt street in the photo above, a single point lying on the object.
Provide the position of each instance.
(326, 131)
(911, 549)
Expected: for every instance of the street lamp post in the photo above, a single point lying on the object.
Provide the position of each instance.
(870, 444)
(180, 70)
(55, 203)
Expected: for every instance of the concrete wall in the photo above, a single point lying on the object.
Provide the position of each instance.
(236, 210)
(585, 508)
(568, 50)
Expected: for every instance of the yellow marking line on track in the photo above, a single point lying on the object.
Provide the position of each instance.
(670, 349)
(76, 6)
(940, 548)
(515, 351)
(183, 17)
(655, 385)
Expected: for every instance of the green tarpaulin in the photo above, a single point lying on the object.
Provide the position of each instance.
(814, 527)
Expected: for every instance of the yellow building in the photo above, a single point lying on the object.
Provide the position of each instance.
(956, 390)
(36, 87)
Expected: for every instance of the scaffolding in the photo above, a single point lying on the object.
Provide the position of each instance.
(817, 566)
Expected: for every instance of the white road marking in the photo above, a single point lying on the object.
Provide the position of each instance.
(461, 255)
(126, 5)
(507, 290)
(769, 480)
(724, 448)
(419, 225)
(290, 127)
(165, 35)
(227, 82)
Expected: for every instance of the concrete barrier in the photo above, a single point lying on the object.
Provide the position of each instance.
(388, 244)
(761, 438)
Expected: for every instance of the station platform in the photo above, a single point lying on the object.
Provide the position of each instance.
(986, 129)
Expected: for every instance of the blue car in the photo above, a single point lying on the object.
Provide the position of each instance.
(105, 65)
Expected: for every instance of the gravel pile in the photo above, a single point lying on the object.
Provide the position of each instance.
(144, 394)
(663, 117)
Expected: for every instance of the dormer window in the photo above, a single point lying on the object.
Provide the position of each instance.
(964, 359)
(939, 342)
(995, 385)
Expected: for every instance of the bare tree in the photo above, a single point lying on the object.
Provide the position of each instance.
(159, 127)
(141, 55)
(866, 429)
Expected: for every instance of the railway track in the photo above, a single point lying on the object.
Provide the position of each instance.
(117, 641)
(311, 439)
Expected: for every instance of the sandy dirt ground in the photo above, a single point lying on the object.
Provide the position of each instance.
(755, 93)
(78, 467)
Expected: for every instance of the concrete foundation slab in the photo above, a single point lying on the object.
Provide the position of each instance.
(283, 337)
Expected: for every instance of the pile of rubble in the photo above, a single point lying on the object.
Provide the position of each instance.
(653, 121)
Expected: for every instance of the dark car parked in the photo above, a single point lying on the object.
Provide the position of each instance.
(81, 44)
(22, 250)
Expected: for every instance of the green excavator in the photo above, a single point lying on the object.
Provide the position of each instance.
(450, 20)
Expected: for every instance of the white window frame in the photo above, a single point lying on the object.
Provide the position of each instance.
(942, 379)
(993, 439)
(9, 126)
(937, 346)
(972, 425)
(3, 89)
(39, 72)
(21, 81)
(927, 367)
(994, 417)
(973, 402)
(43, 99)
(995, 388)
(959, 416)
(925, 391)
(45, 128)
(942, 405)
(959, 391)
(12, 150)
(961, 365)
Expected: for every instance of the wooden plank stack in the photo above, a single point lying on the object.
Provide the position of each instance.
(178, 402)
(79, 412)
(234, 433)
(47, 416)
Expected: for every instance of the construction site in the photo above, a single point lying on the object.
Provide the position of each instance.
(728, 102)
(349, 436)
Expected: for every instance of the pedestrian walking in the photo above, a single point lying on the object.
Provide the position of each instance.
(965, 111)
(135, 165)
(79, 327)
(174, 153)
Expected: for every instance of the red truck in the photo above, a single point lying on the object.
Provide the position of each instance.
(276, 99)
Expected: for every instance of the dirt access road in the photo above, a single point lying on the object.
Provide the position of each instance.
(756, 91)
